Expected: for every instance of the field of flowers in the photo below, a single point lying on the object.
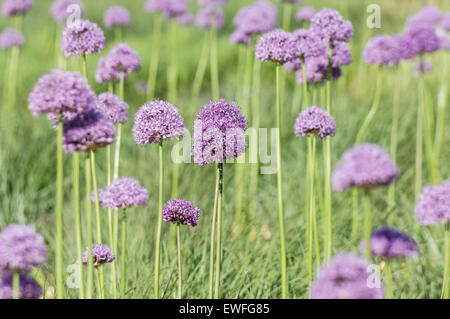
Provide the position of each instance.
(224, 149)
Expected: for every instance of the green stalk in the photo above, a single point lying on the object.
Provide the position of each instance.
(153, 69)
(99, 282)
(441, 111)
(419, 141)
(305, 86)
(15, 284)
(119, 130)
(428, 125)
(123, 270)
(389, 292)
(160, 220)
(446, 284)
(118, 34)
(213, 236)
(309, 209)
(367, 224)
(111, 226)
(214, 65)
(287, 13)
(59, 213)
(394, 134)
(355, 217)
(90, 262)
(12, 85)
(219, 231)
(200, 72)
(76, 199)
(180, 284)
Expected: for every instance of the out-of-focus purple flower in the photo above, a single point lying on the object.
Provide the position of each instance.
(260, 17)
(124, 192)
(290, 1)
(346, 277)
(155, 5)
(391, 243)
(212, 2)
(101, 254)
(116, 16)
(240, 36)
(112, 107)
(424, 38)
(88, 131)
(444, 42)
(316, 121)
(59, 92)
(341, 54)
(21, 248)
(185, 18)
(382, 50)
(276, 46)
(105, 71)
(210, 17)
(317, 71)
(13, 7)
(445, 22)
(305, 13)
(427, 15)
(82, 37)
(10, 38)
(365, 166)
(28, 287)
(329, 24)
(219, 133)
(293, 65)
(175, 8)
(433, 206)
(60, 9)
(406, 45)
(307, 44)
(120, 60)
(180, 211)
(421, 67)
(156, 122)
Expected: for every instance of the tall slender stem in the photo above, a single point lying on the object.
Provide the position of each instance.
(308, 212)
(112, 242)
(394, 134)
(367, 224)
(180, 283)
(200, 72)
(219, 231)
(446, 284)
(213, 236)
(153, 69)
(59, 213)
(355, 217)
(76, 200)
(441, 109)
(214, 65)
(100, 292)
(90, 262)
(15, 284)
(389, 292)
(429, 142)
(419, 142)
(305, 86)
(160, 220)
(123, 270)
(287, 13)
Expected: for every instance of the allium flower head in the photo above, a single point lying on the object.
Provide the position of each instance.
(210, 17)
(61, 91)
(112, 107)
(260, 17)
(422, 66)
(124, 192)
(308, 44)
(13, 7)
(116, 16)
(341, 54)
(427, 15)
(124, 59)
(433, 206)
(317, 71)
(101, 254)
(21, 248)
(155, 5)
(212, 2)
(305, 13)
(219, 133)
(406, 45)
(60, 9)
(382, 50)
(180, 211)
(315, 120)
(424, 38)
(346, 277)
(240, 36)
(10, 38)
(88, 131)
(391, 243)
(329, 24)
(290, 1)
(275, 46)
(82, 37)
(156, 122)
(365, 166)
(28, 287)
(185, 18)
(173, 8)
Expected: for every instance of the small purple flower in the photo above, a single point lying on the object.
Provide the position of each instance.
(365, 166)
(406, 45)
(421, 67)
(101, 254)
(21, 248)
(445, 22)
(428, 15)
(28, 287)
(112, 107)
(317, 71)
(82, 37)
(175, 8)
(424, 38)
(258, 18)
(60, 9)
(185, 18)
(122, 193)
(316, 121)
(330, 25)
(116, 16)
(13, 7)
(180, 211)
(305, 13)
(121, 59)
(10, 38)
(433, 206)
(240, 36)
(308, 44)
(106, 72)
(212, 2)
(391, 243)
(156, 5)
(276, 46)
(341, 54)
(382, 50)
(156, 122)
(346, 276)
(210, 17)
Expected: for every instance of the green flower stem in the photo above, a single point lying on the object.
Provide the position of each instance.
(419, 142)
(310, 206)
(153, 69)
(76, 200)
(118, 34)
(441, 110)
(200, 71)
(89, 239)
(112, 242)
(287, 13)
(59, 213)
(305, 86)
(12, 85)
(428, 126)
(394, 133)
(160, 220)
(123, 270)
(446, 284)
(15, 284)
(119, 130)
(213, 236)
(98, 275)
(219, 232)
(214, 67)
(355, 217)
(389, 292)
(367, 224)
(180, 284)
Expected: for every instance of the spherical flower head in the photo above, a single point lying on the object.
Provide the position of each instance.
(329, 24)
(382, 50)
(13, 7)
(155, 5)
(219, 133)
(82, 37)
(276, 46)
(424, 38)
(61, 91)
(210, 17)
(307, 44)
(421, 67)
(433, 206)
(346, 277)
(392, 243)
(116, 16)
(341, 54)
(122, 59)
(305, 13)
(258, 18)
(106, 72)
(185, 18)
(101, 254)
(180, 211)
(365, 166)
(445, 22)
(157, 122)
(317, 71)
(61, 9)
(175, 8)
(88, 131)
(315, 121)
(112, 107)
(10, 38)
(122, 193)
(212, 2)
(28, 287)
(240, 37)
(21, 248)
(427, 15)
(406, 46)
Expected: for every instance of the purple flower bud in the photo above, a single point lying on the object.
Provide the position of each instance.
(101, 254)
(308, 44)
(180, 211)
(116, 16)
(13, 7)
(315, 120)
(28, 287)
(341, 54)
(155, 5)
(122, 193)
(317, 71)
(60, 9)
(433, 206)
(112, 107)
(82, 37)
(10, 38)
(391, 243)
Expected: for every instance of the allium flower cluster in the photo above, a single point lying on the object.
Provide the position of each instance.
(82, 37)
(405, 43)
(60, 9)
(382, 50)
(424, 38)
(210, 17)
(120, 60)
(316, 121)
(28, 287)
(124, 192)
(317, 71)
(365, 166)
(433, 206)
(112, 107)
(276, 46)
(11, 38)
(305, 13)
(427, 15)
(13, 7)
(101, 254)
(307, 44)
(180, 211)
(116, 16)
(391, 243)
(330, 25)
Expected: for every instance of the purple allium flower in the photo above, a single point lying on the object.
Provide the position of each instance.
(59, 92)
(240, 36)
(156, 122)
(12, 7)
(305, 13)
(422, 66)
(444, 42)
(116, 16)
(427, 15)
(433, 206)
(275, 46)
(424, 38)
(258, 18)
(212, 2)
(317, 71)
(330, 25)
(60, 9)
(219, 133)
(174, 8)
(21, 248)
(101, 254)
(112, 107)
(82, 37)
(28, 287)
(382, 50)
(88, 131)
(120, 59)
(445, 22)
(341, 54)
(10, 38)
(210, 17)
(308, 44)
(123, 192)
(365, 166)
(293, 65)
(406, 45)
(105, 71)
(346, 276)
(290, 1)
(185, 18)
(180, 211)
(155, 5)
(392, 243)
(315, 120)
